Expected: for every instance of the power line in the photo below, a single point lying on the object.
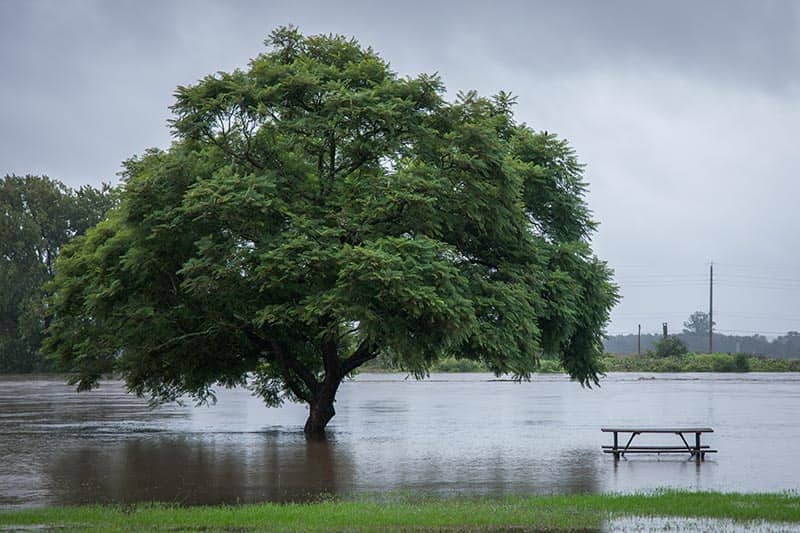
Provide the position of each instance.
(722, 281)
(639, 285)
(760, 278)
(730, 276)
(753, 332)
(651, 274)
(766, 287)
(716, 330)
(756, 316)
(654, 316)
(651, 315)
(664, 278)
(762, 268)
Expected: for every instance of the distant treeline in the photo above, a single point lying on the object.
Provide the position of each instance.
(38, 215)
(784, 347)
(690, 362)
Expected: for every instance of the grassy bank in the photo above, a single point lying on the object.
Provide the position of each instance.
(700, 362)
(573, 512)
(692, 362)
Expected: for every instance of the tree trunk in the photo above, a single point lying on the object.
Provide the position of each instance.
(320, 408)
(319, 414)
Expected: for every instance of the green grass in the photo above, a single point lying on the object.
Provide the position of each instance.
(569, 512)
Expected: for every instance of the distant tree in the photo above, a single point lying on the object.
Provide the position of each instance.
(315, 211)
(37, 216)
(788, 345)
(697, 324)
(670, 346)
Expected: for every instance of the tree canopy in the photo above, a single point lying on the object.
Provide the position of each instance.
(316, 210)
(698, 323)
(37, 216)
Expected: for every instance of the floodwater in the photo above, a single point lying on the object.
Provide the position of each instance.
(450, 434)
(652, 524)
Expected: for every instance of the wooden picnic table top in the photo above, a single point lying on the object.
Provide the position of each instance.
(657, 430)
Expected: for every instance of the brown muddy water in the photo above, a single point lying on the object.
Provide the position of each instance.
(450, 434)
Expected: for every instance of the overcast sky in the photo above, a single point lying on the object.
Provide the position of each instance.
(686, 115)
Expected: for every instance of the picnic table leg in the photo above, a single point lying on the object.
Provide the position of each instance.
(616, 447)
(700, 455)
(688, 448)
(628, 443)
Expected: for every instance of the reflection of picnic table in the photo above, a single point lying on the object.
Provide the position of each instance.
(697, 451)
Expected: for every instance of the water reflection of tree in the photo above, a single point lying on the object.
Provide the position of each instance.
(252, 467)
(580, 471)
(571, 471)
(223, 468)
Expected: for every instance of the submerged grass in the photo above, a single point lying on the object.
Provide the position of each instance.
(567, 512)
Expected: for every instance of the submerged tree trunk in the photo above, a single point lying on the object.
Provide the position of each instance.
(321, 395)
(319, 414)
(321, 408)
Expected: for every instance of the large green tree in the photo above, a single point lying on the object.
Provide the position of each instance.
(316, 210)
(37, 216)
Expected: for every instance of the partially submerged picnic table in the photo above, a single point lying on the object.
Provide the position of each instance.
(698, 451)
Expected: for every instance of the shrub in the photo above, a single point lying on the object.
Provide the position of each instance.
(722, 363)
(451, 364)
(670, 346)
(550, 366)
(669, 364)
(700, 362)
(741, 362)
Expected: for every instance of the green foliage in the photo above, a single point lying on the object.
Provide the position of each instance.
(670, 346)
(451, 364)
(316, 211)
(701, 362)
(697, 324)
(715, 362)
(37, 216)
(551, 366)
(765, 364)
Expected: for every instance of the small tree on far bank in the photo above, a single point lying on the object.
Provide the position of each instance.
(670, 346)
(698, 324)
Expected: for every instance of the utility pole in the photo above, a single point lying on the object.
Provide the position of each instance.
(639, 341)
(711, 308)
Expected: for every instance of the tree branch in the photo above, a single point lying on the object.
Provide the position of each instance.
(361, 355)
(181, 338)
(289, 368)
(330, 359)
(289, 365)
(225, 147)
(332, 160)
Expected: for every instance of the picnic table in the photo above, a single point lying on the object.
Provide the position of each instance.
(698, 451)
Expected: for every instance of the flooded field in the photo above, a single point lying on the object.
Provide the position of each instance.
(451, 434)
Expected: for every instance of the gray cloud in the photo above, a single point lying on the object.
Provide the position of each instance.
(685, 113)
